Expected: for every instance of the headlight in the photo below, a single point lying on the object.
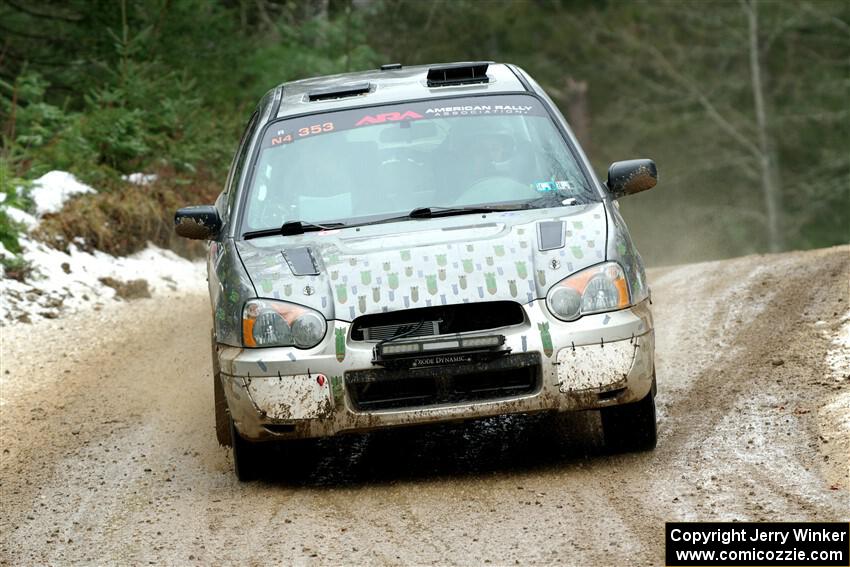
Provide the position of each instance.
(268, 323)
(594, 290)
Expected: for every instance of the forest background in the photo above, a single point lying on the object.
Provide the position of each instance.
(742, 103)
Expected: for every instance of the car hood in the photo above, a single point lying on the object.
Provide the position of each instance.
(346, 273)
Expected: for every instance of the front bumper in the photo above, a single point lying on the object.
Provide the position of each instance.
(285, 393)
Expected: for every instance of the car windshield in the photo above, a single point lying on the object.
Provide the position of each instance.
(378, 162)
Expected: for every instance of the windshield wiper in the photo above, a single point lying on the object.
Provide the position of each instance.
(431, 212)
(290, 228)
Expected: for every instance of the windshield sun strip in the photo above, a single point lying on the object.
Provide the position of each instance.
(261, 133)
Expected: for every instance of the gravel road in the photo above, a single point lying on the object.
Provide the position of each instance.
(109, 454)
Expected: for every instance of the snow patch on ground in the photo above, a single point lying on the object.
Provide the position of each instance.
(67, 282)
(78, 280)
(140, 178)
(53, 189)
(22, 217)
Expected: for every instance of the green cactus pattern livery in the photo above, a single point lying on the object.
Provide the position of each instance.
(432, 283)
(545, 338)
(521, 270)
(501, 265)
(336, 388)
(541, 277)
(340, 344)
(490, 278)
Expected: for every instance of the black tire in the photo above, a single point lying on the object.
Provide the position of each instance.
(630, 427)
(222, 415)
(246, 456)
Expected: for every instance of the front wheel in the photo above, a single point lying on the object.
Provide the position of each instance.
(630, 427)
(246, 456)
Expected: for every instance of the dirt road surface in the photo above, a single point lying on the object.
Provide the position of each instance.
(109, 454)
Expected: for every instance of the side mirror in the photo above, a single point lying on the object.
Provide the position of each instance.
(632, 176)
(199, 222)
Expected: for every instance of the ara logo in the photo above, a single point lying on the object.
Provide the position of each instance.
(389, 117)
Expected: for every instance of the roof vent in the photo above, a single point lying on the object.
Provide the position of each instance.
(458, 74)
(390, 66)
(342, 91)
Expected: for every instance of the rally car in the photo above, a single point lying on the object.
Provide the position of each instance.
(415, 245)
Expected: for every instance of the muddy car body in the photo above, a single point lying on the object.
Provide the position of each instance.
(416, 245)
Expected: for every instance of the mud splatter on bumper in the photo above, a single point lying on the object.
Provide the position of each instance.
(597, 361)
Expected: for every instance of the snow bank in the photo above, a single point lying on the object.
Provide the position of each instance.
(79, 280)
(23, 217)
(51, 190)
(68, 282)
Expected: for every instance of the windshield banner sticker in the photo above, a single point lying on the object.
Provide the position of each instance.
(389, 117)
(478, 110)
(285, 132)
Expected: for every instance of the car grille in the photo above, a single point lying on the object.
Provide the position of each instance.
(386, 332)
(382, 388)
(438, 320)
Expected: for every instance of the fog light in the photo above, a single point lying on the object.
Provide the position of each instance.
(479, 342)
(399, 348)
(440, 345)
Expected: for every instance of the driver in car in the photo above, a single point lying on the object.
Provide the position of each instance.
(489, 148)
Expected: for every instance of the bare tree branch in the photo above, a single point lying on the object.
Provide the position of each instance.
(836, 21)
(700, 97)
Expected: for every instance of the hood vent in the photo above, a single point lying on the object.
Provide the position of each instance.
(551, 235)
(458, 74)
(301, 261)
(342, 91)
